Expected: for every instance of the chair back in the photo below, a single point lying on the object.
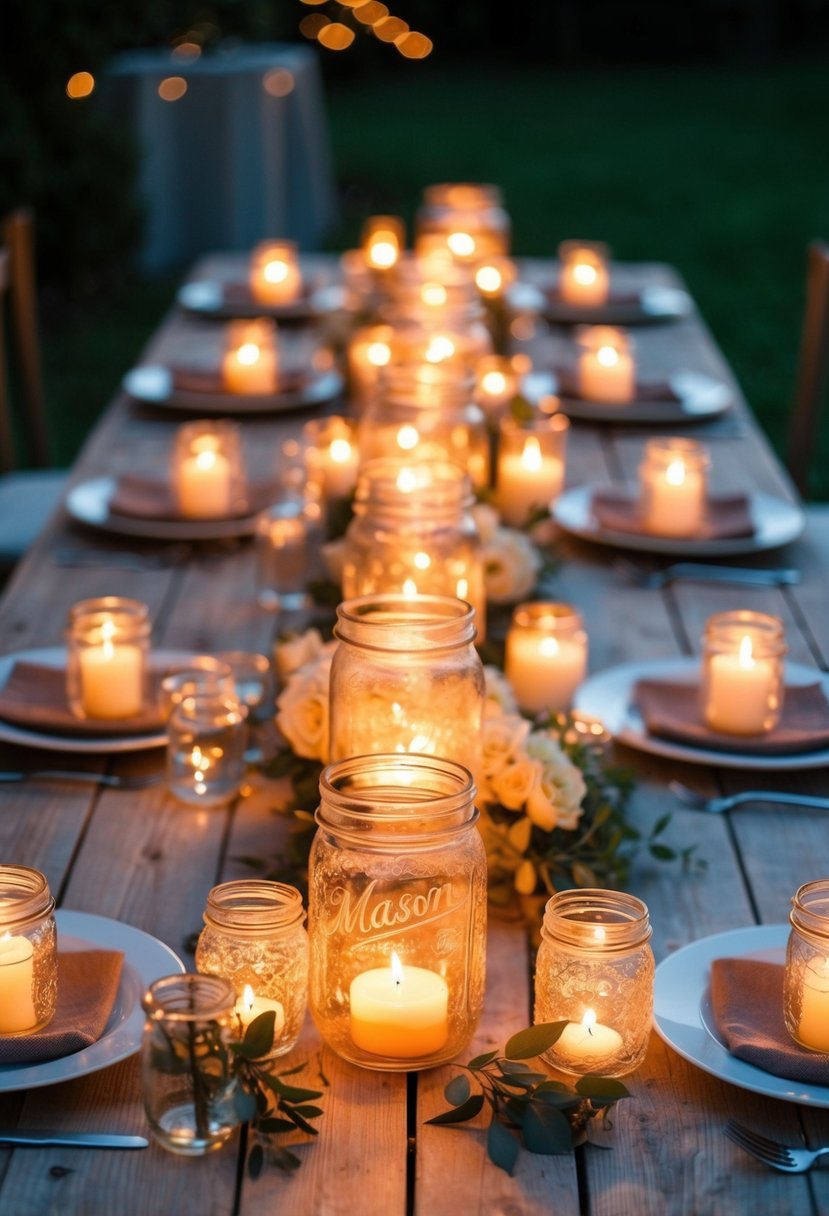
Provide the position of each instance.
(812, 367)
(18, 290)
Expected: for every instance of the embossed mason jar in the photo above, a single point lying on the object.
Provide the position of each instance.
(397, 911)
(595, 969)
(255, 937)
(742, 685)
(108, 642)
(28, 951)
(186, 1063)
(469, 217)
(406, 677)
(806, 982)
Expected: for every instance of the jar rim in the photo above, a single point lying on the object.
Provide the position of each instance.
(435, 622)
(550, 614)
(804, 916)
(728, 628)
(252, 905)
(25, 896)
(596, 920)
(174, 998)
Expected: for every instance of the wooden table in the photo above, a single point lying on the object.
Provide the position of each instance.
(146, 860)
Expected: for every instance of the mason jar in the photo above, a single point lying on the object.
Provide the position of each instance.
(187, 1067)
(397, 911)
(546, 655)
(742, 685)
(206, 739)
(673, 487)
(595, 970)
(406, 677)
(806, 979)
(469, 218)
(108, 642)
(28, 951)
(254, 935)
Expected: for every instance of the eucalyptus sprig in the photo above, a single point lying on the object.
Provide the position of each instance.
(527, 1108)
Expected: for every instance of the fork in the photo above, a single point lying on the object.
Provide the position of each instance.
(770, 1152)
(112, 780)
(700, 572)
(717, 806)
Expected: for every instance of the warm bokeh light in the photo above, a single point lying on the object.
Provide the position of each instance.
(312, 25)
(314, 1)
(187, 50)
(172, 88)
(278, 82)
(389, 28)
(80, 84)
(336, 36)
(433, 294)
(371, 12)
(414, 45)
(488, 279)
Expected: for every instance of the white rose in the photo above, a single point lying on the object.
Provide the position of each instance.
(515, 782)
(500, 699)
(540, 810)
(302, 710)
(297, 651)
(486, 521)
(562, 782)
(511, 564)
(501, 739)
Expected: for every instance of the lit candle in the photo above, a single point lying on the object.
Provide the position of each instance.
(584, 279)
(382, 241)
(369, 351)
(250, 363)
(275, 275)
(740, 690)
(399, 1011)
(546, 656)
(606, 367)
(17, 1008)
(813, 1025)
(585, 1046)
(497, 384)
(249, 1006)
(675, 499)
(527, 479)
(111, 677)
(203, 484)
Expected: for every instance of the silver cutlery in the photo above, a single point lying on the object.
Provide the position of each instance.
(112, 780)
(717, 806)
(702, 573)
(50, 1139)
(771, 1152)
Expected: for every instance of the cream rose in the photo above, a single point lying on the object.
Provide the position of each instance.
(511, 564)
(302, 711)
(297, 650)
(515, 782)
(502, 737)
(486, 521)
(500, 699)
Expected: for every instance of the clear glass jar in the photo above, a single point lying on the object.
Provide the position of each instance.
(397, 911)
(405, 678)
(207, 470)
(584, 273)
(28, 951)
(288, 536)
(382, 240)
(203, 673)
(546, 655)
(453, 331)
(468, 217)
(255, 937)
(332, 456)
(250, 363)
(275, 273)
(186, 1063)
(206, 739)
(370, 349)
(673, 481)
(742, 685)
(427, 412)
(413, 533)
(531, 465)
(595, 969)
(108, 641)
(806, 980)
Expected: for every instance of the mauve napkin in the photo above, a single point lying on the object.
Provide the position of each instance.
(240, 293)
(87, 987)
(196, 380)
(145, 496)
(34, 696)
(671, 709)
(747, 1003)
(727, 516)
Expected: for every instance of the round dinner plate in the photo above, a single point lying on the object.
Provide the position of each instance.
(145, 959)
(700, 397)
(776, 522)
(88, 503)
(607, 696)
(152, 384)
(206, 297)
(683, 1017)
(650, 304)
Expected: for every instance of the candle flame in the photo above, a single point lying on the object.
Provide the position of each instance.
(433, 294)
(494, 383)
(461, 244)
(406, 480)
(107, 634)
(585, 274)
(409, 587)
(489, 280)
(531, 455)
(396, 968)
(378, 354)
(607, 356)
(205, 460)
(340, 451)
(408, 437)
(422, 560)
(462, 588)
(247, 998)
(248, 354)
(675, 473)
(549, 647)
(746, 657)
(383, 253)
(275, 272)
(589, 1020)
(440, 347)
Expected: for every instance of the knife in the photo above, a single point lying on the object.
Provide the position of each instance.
(52, 1139)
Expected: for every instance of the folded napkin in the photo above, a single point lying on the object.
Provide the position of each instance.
(34, 696)
(146, 496)
(656, 392)
(616, 295)
(747, 1003)
(671, 709)
(727, 516)
(209, 380)
(87, 988)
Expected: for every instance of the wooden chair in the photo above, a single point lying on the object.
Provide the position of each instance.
(812, 367)
(28, 496)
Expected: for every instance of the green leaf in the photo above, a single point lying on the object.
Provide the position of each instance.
(244, 1104)
(481, 1061)
(460, 1114)
(546, 1130)
(661, 852)
(457, 1091)
(605, 1089)
(502, 1147)
(256, 1159)
(533, 1041)
(290, 1093)
(286, 1160)
(292, 1112)
(275, 1127)
(308, 1112)
(258, 1039)
(660, 825)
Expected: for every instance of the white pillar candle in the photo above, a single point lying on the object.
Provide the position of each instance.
(584, 280)
(740, 691)
(544, 671)
(250, 1005)
(339, 462)
(399, 1011)
(203, 483)
(250, 368)
(813, 1024)
(275, 275)
(17, 1008)
(527, 479)
(675, 498)
(111, 677)
(607, 373)
(587, 1045)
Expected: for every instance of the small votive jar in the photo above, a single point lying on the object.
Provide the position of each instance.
(742, 672)
(332, 456)
(108, 642)
(595, 970)
(546, 655)
(806, 980)
(250, 363)
(397, 911)
(496, 383)
(187, 1067)
(275, 273)
(673, 487)
(370, 349)
(206, 739)
(606, 365)
(28, 951)
(584, 278)
(531, 465)
(288, 534)
(254, 936)
(382, 240)
(207, 470)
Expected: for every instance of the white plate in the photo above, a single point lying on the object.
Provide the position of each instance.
(776, 523)
(607, 696)
(88, 503)
(152, 384)
(206, 297)
(683, 1016)
(145, 959)
(653, 303)
(700, 397)
(55, 656)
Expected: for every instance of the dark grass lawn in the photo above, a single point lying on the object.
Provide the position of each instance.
(722, 171)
